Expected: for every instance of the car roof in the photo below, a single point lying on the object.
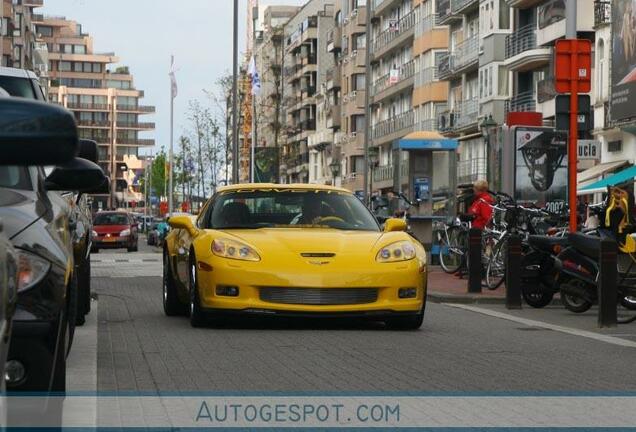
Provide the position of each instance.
(107, 212)
(294, 186)
(17, 73)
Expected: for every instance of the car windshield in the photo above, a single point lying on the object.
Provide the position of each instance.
(111, 219)
(290, 208)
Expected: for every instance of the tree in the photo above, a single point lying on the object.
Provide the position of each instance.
(159, 174)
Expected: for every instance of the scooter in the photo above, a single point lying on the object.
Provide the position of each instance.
(541, 269)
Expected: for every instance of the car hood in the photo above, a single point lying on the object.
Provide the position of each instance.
(310, 241)
(18, 210)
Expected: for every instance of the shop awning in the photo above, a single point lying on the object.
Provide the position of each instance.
(625, 176)
(425, 140)
(592, 174)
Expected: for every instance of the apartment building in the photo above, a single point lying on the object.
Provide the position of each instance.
(305, 69)
(104, 100)
(268, 52)
(346, 92)
(20, 45)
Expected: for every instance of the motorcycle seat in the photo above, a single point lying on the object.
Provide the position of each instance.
(587, 245)
(467, 218)
(547, 243)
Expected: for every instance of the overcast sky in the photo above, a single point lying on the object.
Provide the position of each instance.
(144, 33)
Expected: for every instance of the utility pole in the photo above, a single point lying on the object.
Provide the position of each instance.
(570, 29)
(367, 177)
(235, 140)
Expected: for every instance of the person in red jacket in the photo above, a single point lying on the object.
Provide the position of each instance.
(481, 206)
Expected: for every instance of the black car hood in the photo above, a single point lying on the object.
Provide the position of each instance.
(18, 211)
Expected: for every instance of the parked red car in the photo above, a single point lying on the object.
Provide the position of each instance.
(115, 230)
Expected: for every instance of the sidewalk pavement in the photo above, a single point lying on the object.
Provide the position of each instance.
(446, 288)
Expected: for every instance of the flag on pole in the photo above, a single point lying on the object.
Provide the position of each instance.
(173, 79)
(256, 79)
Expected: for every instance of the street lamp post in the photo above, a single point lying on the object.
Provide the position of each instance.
(372, 157)
(488, 128)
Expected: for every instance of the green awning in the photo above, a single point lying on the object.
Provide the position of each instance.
(625, 176)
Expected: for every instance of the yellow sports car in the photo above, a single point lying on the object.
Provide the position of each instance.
(295, 250)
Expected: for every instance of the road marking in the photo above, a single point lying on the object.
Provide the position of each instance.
(532, 323)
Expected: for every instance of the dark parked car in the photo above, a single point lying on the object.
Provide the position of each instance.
(115, 230)
(38, 221)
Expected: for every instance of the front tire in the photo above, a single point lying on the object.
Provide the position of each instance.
(536, 298)
(197, 316)
(454, 258)
(411, 322)
(171, 304)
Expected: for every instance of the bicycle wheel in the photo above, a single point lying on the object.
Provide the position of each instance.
(452, 255)
(496, 267)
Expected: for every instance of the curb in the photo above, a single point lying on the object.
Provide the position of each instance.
(437, 297)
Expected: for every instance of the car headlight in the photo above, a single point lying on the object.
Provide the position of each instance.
(233, 249)
(31, 270)
(400, 251)
(124, 233)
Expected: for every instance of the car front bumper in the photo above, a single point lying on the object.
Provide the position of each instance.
(387, 279)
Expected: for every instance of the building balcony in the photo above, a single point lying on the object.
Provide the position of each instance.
(522, 52)
(142, 109)
(546, 90)
(135, 125)
(380, 6)
(445, 66)
(33, 3)
(469, 171)
(465, 55)
(463, 6)
(401, 123)
(386, 86)
(383, 176)
(466, 113)
(334, 78)
(37, 18)
(602, 13)
(359, 16)
(334, 39)
(93, 124)
(444, 9)
(394, 37)
(334, 119)
(522, 102)
(122, 140)
(87, 107)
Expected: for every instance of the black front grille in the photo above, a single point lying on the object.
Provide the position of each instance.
(319, 296)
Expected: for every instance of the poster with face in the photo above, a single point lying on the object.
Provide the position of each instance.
(623, 59)
(541, 174)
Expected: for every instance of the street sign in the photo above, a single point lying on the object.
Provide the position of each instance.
(565, 73)
(562, 113)
(589, 150)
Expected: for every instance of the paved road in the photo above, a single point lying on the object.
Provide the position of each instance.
(138, 348)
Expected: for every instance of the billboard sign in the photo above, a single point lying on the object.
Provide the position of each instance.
(589, 150)
(541, 172)
(623, 60)
(550, 12)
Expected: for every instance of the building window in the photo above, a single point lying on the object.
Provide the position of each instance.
(64, 66)
(358, 81)
(615, 146)
(45, 31)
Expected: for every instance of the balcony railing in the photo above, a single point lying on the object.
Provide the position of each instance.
(135, 141)
(602, 12)
(469, 171)
(383, 173)
(405, 23)
(427, 125)
(93, 123)
(465, 53)
(135, 125)
(393, 125)
(445, 66)
(458, 5)
(521, 102)
(429, 22)
(88, 106)
(466, 113)
(520, 41)
(426, 76)
(136, 108)
(406, 71)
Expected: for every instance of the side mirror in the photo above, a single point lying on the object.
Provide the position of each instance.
(88, 150)
(102, 189)
(183, 222)
(36, 133)
(394, 224)
(79, 175)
